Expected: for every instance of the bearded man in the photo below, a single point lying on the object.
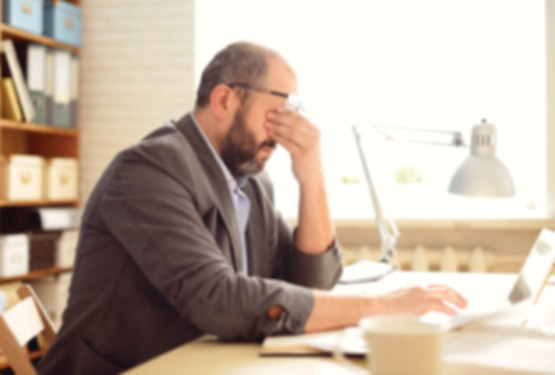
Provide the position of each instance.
(180, 237)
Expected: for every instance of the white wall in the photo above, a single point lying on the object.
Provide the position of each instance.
(136, 72)
(427, 63)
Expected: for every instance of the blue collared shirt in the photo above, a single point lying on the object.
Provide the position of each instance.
(240, 200)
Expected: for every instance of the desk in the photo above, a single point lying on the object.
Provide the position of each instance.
(208, 356)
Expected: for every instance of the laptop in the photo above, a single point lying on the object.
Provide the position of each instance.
(510, 309)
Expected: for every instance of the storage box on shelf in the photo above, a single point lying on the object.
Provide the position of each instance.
(61, 179)
(65, 256)
(62, 21)
(42, 250)
(22, 178)
(14, 255)
(24, 14)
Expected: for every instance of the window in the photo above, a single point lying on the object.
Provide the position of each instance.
(429, 64)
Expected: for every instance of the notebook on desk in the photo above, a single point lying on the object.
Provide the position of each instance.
(525, 292)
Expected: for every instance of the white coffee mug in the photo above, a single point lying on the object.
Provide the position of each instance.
(401, 344)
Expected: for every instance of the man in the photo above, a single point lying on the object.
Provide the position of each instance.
(180, 237)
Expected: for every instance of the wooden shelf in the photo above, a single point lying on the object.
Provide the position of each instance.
(17, 34)
(4, 203)
(36, 128)
(76, 2)
(37, 274)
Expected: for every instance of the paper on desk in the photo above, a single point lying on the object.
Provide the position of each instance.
(498, 353)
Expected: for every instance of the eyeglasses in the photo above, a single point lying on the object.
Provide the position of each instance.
(292, 101)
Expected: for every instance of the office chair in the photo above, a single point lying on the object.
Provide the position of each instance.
(19, 324)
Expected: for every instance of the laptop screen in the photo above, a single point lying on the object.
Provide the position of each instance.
(536, 269)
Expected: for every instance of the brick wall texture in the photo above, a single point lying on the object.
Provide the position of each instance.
(136, 72)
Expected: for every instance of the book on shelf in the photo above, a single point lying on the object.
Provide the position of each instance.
(10, 105)
(32, 57)
(49, 85)
(19, 82)
(62, 89)
(74, 89)
(35, 58)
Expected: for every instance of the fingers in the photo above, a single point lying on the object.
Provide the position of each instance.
(421, 300)
(443, 299)
(291, 130)
(449, 295)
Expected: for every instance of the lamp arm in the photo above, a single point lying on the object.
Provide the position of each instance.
(386, 226)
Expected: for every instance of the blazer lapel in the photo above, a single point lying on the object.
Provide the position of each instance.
(223, 200)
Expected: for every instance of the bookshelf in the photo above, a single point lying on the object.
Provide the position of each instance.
(36, 139)
(27, 138)
(45, 140)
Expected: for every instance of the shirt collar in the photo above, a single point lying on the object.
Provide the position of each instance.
(231, 181)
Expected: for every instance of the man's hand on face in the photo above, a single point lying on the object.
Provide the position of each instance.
(300, 138)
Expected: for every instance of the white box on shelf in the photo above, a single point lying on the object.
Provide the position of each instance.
(22, 178)
(66, 248)
(14, 255)
(61, 179)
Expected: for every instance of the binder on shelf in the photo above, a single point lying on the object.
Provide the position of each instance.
(19, 82)
(74, 89)
(36, 79)
(62, 89)
(32, 57)
(49, 86)
(10, 105)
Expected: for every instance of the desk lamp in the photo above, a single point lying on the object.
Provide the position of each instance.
(481, 174)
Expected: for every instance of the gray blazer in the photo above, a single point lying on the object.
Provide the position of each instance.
(159, 255)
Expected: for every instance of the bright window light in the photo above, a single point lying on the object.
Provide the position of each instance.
(440, 64)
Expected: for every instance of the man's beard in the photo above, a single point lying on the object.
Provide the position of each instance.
(239, 148)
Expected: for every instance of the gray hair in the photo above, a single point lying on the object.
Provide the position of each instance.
(240, 62)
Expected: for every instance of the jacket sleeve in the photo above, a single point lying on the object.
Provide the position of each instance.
(320, 271)
(155, 219)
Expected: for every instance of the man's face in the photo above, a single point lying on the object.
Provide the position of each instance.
(240, 150)
(247, 146)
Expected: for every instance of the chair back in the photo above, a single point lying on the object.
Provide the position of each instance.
(19, 324)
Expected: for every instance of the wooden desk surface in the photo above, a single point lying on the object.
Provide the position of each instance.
(209, 356)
